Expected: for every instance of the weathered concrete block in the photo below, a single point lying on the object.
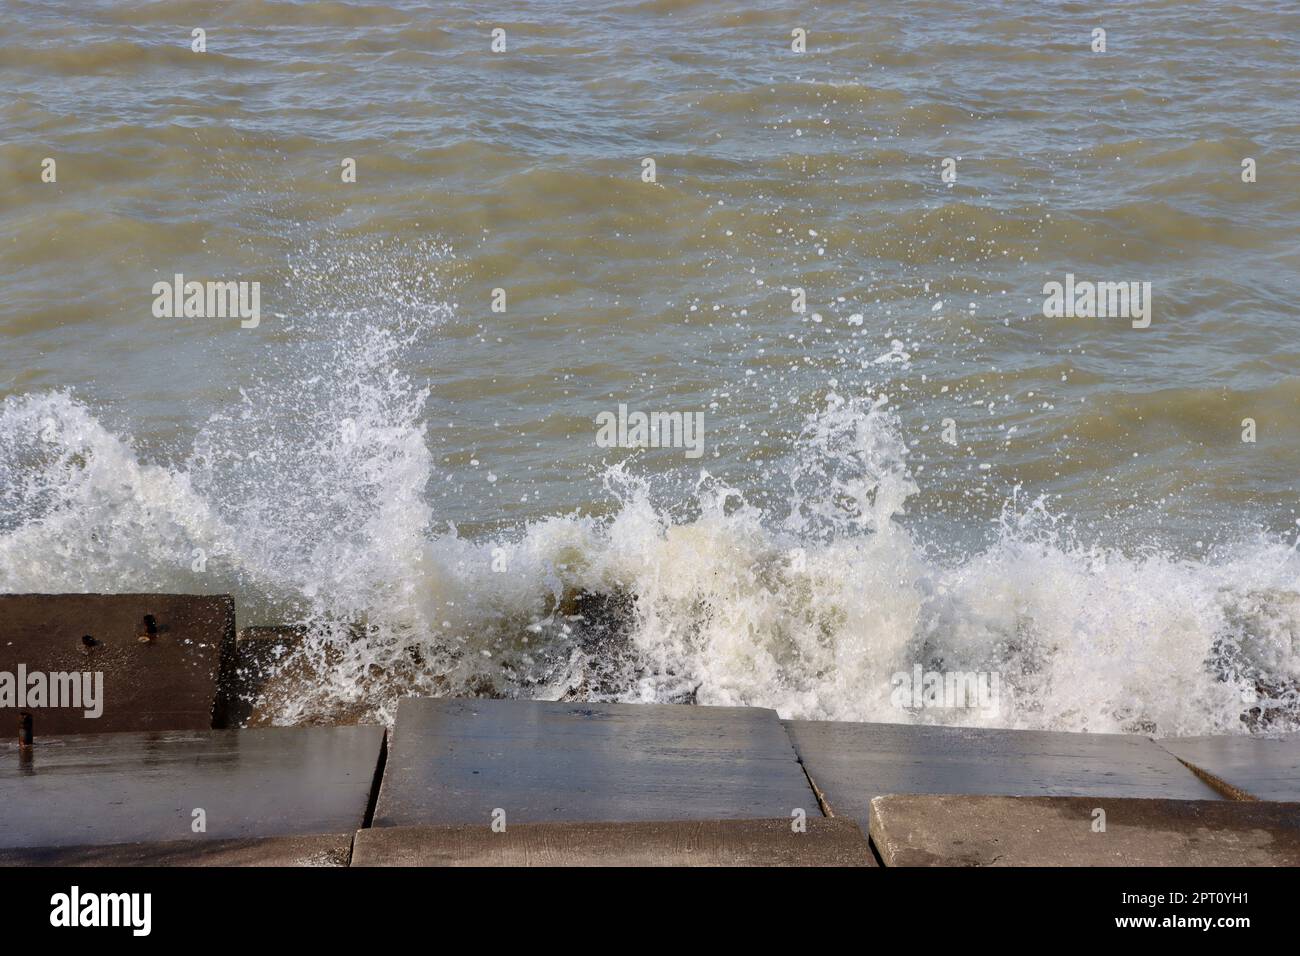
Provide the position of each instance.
(277, 676)
(945, 830)
(330, 849)
(1263, 768)
(852, 763)
(459, 761)
(159, 656)
(93, 790)
(826, 842)
(265, 668)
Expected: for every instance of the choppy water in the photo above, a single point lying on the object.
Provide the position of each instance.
(384, 448)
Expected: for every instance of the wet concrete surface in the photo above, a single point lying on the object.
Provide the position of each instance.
(574, 783)
(159, 655)
(851, 763)
(951, 830)
(331, 849)
(99, 789)
(825, 842)
(1263, 768)
(460, 761)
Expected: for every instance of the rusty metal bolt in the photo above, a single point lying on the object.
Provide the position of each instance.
(147, 630)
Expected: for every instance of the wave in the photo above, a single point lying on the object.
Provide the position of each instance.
(309, 500)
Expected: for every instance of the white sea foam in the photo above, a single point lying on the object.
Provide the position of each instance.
(810, 614)
(308, 500)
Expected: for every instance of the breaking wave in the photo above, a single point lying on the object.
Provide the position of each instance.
(308, 499)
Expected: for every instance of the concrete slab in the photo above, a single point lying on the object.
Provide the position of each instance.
(101, 789)
(159, 655)
(826, 842)
(457, 761)
(330, 849)
(852, 763)
(274, 674)
(1262, 768)
(1060, 831)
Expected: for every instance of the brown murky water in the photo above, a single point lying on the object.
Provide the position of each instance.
(919, 466)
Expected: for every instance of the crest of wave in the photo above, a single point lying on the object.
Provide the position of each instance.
(815, 614)
(80, 512)
(309, 499)
(305, 498)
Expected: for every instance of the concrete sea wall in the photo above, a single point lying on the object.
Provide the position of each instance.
(177, 769)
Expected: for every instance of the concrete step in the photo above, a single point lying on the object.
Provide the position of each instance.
(673, 843)
(101, 789)
(946, 830)
(159, 656)
(460, 761)
(852, 763)
(1245, 768)
(331, 849)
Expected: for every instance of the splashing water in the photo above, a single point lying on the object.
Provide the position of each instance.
(308, 500)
